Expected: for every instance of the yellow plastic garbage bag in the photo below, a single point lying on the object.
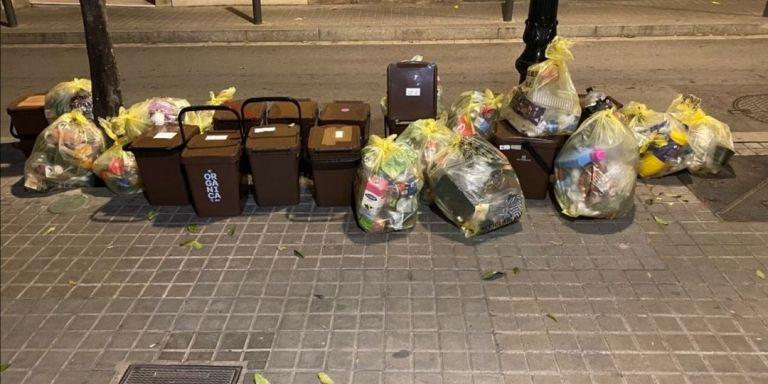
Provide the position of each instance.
(546, 103)
(709, 138)
(427, 137)
(387, 186)
(595, 172)
(204, 119)
(129, 123)
(474, 113)
(67, 96)
(475, 186)
(662, 140)
(118, 168)
(64, 153)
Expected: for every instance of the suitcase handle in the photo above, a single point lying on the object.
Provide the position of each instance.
(198, 108)
(267, 99)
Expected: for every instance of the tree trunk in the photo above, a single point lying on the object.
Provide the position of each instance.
(105, 78)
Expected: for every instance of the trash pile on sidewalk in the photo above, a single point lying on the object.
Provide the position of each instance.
(476, 161)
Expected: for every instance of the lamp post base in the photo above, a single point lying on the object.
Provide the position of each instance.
(540, 29)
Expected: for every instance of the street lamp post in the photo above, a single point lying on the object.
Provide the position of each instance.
(540, 29)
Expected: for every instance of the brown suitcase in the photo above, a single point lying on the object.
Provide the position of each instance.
(27, 120)
(212, 165)
(158, 157)
(411, 94)
(348, 113)
(334, 154)
(273, 153)
(531, 157)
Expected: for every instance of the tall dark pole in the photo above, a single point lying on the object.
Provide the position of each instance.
(10, 13)
(540, 29)
(105, 79)
(506, 10)
(256, 11)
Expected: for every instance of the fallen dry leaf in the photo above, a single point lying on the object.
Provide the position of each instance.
(492, 275)
(298, 254)
(192, 244)
(660, 221)
(760, 274)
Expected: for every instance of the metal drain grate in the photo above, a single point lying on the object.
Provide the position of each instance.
(754, 106)
(180, 374)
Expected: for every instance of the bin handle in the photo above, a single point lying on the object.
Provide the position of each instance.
(14, 132)
(536, 157)
(197, 108)
(252, 100)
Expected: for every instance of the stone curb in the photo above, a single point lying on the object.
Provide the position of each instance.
(498, 31)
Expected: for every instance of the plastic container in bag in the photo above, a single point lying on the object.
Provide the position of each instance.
(474, 113)
(546, 103)
(67, 96)
(64, 153)
(710, 139)
(387, 186)
(475, 186)
(662, 140)
(595, 172)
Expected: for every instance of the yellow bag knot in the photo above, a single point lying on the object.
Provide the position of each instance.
(559, 50)
(76, 116)
(635, 110)
(78, 84)
(224, 95)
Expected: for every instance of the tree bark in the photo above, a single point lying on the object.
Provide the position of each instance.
(105, 78)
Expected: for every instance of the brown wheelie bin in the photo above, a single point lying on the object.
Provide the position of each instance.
(211, 163)
(411, 94)
(273, 153)
(27, 120)
(158, 157)
(252, 116)
(348, 113)
(334, 154)
(531, 157)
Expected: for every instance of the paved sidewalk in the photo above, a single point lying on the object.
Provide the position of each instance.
(393, 22)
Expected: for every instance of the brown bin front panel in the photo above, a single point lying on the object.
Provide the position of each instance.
(273, 153)
(334, 154)
(225, 120)
(348, 113)
(158, 157)
(27, 120)
(522, 152)
(212, 165)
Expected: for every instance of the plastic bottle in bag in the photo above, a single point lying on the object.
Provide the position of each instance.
(67, 96)
(475, 186)
(546, 103)
(474, 113)
(595, 172)
(710, 139)
(387, 186)
(64, 153)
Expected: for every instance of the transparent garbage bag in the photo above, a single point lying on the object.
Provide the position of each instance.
(474, 113)
(117, 167)
(165, 110)
(129, 123)
(387, 186)
(710, 139)
(546, 103)
(67, 96)
(204, 119)
(595, 172)
(475, 186)
(662, 140)
(64, 153)
(427, 137)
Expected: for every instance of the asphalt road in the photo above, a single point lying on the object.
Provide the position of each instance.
(650, 71)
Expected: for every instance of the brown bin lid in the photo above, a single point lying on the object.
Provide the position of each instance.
(253, 111)
(164, 137)
(27, 102)
(213, 147)
(334, 142)
(287, 110)
(504, 133)
(347, 111)
(276, 137)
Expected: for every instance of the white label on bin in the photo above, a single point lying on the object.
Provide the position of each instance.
(216, 137)
(164, 135)
(508, 147)
(264, 129)
(345, 109)
(339, 134)
(212, 186)
(413, 91)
